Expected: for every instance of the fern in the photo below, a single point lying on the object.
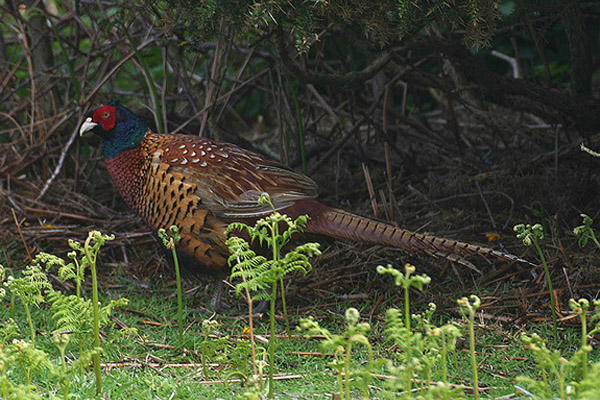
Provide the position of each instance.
(342, 347)
(30, 286)
(76, 320)
(8, 389)
(26, 356)
(258, 273)
(9, 331)
(421, 343)
(29, 289)
(71, 314)
(74, 315)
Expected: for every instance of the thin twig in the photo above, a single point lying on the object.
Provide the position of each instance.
(18, 225)
(487, 207)
(370, 189)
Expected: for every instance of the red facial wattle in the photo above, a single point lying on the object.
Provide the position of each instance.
(105, 116)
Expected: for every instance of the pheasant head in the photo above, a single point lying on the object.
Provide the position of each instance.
(119, 128)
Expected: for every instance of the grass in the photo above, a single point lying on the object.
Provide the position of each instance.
(155, 349)
(157, 342)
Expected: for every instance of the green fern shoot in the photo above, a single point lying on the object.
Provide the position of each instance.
(259, 274)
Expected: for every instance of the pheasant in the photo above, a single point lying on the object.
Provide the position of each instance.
(202, 185)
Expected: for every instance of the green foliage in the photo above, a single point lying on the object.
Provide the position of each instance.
(9, 330)
(529, 234)
(75, 314)
(477, 17)
(342, 347)
(28, 289)
(238, 355)
(402, 332)
(420, 348)
(257, 272)
(74, 270)
(30, 286)
(420, 345)
(75, 318)
(566, 378)
(28, 358)
(253, 386)
(586, 232)
(580, 309)
(588, 388)
(381, 22)
(532, 235)
(405, 280)
(209, 346)
(249, 267)
(260, 273)
(417, 356)
(423, 346)
(467, 308)
(551, 364)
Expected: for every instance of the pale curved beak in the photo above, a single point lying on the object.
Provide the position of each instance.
(87, 125)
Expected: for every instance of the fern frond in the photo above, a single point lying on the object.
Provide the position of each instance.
(237, 226)
(71, 313)
(394, 327)
(310, 249)
(9, 330)
(30, 286)
(75, 315)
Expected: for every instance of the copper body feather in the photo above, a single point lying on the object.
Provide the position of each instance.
(201, 185)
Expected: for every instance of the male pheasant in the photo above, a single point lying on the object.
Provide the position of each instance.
(202, 185)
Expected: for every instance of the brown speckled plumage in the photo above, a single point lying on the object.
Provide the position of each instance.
(201, 186)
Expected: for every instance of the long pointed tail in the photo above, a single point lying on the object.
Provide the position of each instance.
(342, 224)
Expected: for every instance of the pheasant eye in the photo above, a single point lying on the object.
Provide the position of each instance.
(105, 115)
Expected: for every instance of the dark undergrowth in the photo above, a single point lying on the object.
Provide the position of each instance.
(436, 140)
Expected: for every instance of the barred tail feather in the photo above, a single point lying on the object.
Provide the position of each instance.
(344, 225)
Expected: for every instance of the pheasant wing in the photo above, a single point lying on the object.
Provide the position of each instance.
(229, 180)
